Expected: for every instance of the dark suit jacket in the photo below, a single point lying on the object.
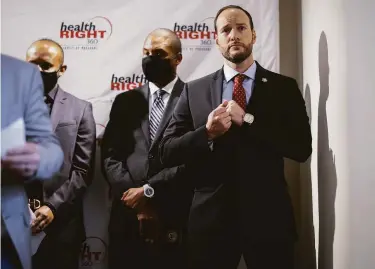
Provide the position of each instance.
(239, 186)
(130, 161)
(74, 124)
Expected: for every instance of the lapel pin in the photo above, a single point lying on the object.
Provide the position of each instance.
(264, 80)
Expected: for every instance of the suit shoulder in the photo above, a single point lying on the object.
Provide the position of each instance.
(128, 94)
(14, 64)
(76, 100)
(203, 80)
(202, 83)
(280, 78)
(132, 98)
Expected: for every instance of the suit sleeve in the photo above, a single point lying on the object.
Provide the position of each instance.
(82, 163)
(182, 143)
(165, 177)
(38, 129)
(114, 153)
(292, 137)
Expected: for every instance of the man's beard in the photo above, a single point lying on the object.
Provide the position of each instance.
(238, 57)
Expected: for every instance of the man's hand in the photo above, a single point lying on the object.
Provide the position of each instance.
(236, 112)
(218, 122)
(44, 217)
(23, 161)
(134, 197)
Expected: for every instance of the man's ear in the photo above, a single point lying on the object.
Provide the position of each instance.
(62, 70)
(254, 37)
(179, 58)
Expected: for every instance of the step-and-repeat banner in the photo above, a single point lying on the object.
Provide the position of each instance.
(103, 42)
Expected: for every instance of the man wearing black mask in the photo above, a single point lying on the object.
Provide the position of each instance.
(58, 204)
(150, 203)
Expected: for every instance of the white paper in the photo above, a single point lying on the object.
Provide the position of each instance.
(37, 238)
(13, 136)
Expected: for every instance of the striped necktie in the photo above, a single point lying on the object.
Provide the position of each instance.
(156, 114)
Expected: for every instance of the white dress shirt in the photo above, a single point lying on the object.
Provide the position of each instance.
(167, 88)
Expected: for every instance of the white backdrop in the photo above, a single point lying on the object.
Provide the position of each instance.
(103, 46)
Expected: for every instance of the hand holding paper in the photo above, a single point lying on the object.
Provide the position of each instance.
(16, 155)
(13, 136)
(23, 160)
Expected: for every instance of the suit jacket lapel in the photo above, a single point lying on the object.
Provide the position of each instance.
(217, 89)
(56, 108)
(175, 94)
(259, 89)
(145, 122)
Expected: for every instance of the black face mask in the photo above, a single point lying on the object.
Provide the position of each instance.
(157, 70)
(49, 81)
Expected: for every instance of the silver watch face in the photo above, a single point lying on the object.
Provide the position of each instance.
(248, 118)
(149, 191)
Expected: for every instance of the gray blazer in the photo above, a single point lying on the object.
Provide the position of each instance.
(74, 125)
(22, 96)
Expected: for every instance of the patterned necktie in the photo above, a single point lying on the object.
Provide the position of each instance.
(49, 102)
(239, 94)
(156, 114)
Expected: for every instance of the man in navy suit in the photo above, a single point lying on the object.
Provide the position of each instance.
(233, 128)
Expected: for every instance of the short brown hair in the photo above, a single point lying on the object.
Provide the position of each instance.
(236, 7)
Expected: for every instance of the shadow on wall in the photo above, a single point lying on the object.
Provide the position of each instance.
(306, 254)
(327, 178)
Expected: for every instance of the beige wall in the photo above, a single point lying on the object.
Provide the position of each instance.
(338, 71)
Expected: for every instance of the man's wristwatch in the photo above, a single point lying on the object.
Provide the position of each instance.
(148, 191)
(248, 118)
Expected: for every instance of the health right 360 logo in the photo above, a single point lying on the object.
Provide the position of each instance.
(85, 35)
(93, 252)
(196, 36)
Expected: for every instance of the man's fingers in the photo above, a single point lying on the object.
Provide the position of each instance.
(36, 222)
(37, 214)
(42, 224)
(124, 195)
(40, 217)
(222, 116)
(224, 103)
(127, 202)
(227, 120)
(22, 168)
(219, 110)
(25, 149)
(129, 198)
(21, 159)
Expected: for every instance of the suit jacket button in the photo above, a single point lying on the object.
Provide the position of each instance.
(150, 156)
(172, 236)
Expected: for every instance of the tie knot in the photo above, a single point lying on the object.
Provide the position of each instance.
(239, 78)
(160, 93)
(48, 99)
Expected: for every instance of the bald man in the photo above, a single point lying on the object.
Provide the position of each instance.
(150, 203)
(58, 203)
